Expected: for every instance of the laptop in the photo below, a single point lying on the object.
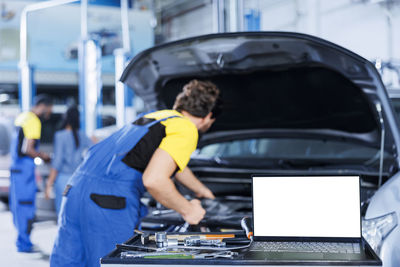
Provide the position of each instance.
(313, 218)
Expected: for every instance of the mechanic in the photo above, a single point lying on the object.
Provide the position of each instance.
(24, 148)
(101, 205)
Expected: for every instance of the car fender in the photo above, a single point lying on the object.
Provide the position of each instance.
(386, 199)
(390, 250)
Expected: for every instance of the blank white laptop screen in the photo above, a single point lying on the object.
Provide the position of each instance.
(309, 206)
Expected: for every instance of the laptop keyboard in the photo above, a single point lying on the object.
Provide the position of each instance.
(325, 247)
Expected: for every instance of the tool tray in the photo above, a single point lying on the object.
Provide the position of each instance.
(244, 257)
(115, 256)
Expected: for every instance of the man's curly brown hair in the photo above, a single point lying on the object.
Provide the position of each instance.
(197, 98)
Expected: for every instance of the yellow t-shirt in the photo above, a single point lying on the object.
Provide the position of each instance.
(30, 124)
(180, 136)
(177, 136)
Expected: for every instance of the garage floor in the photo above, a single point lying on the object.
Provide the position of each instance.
(43, 236)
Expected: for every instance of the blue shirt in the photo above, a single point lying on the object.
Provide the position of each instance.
(66, 156)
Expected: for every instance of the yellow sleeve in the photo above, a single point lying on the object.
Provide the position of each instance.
(180, 140)
(32, 128)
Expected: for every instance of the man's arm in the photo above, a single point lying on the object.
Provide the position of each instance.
(50, 181)
(188, 179)
(156, 178)
(29, 149)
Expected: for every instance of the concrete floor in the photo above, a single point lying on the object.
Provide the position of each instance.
(43, 236)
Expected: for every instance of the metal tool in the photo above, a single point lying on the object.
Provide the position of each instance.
(246, 225)
(178, 255)
(145, 238)
(162, 212)
(222, 254)
(235, 241)
(197, 241)
(166, 242)
(131, 254)
(172, 243)
(162, 241)
(184, 227)
(202, 236)
(138, 248)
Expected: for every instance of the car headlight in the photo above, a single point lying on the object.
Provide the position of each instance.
(375, 230)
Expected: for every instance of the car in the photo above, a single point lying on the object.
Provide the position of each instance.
(5, 137)
(394, 95)
(380, 224)
(293, 104)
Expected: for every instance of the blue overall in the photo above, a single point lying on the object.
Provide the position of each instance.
(93, 216)
(22, 194)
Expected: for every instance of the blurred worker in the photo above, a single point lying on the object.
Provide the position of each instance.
(103, 207)
(24, 148)
(70, 144)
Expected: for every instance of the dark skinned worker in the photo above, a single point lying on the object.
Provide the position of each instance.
(101, 205)
(24, 148)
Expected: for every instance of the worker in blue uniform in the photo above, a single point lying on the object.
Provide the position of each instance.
(101, 205)
(24, 148)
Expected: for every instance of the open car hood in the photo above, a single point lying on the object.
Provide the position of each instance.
(271, 81)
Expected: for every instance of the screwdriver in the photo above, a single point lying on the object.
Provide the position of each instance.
(201, 236)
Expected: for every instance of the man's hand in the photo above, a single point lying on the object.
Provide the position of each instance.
(30, 151)
(45, 157)
(50, 181)
(196, 212)
(156, 179)
(48, 191)
(204, 192)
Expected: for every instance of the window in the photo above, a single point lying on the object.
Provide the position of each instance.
(287, 148)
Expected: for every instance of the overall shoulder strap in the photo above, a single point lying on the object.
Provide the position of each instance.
(160, 120)
(120, 154)
(142, 114)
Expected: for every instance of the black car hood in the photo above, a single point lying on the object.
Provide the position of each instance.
(269, 80)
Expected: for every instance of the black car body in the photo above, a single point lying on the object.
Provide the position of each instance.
(293, 104)
(315, 105)
(5, 140)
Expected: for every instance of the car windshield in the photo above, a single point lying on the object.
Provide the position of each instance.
(289, 149)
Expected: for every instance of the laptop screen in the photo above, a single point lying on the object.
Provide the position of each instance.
(306, 206)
